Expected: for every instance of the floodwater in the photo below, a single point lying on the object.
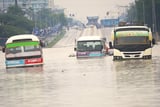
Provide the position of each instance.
(65, 81)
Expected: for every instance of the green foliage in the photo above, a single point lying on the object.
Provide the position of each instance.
(13, 22)
(24, 23)
(141, 11)
(46, 17)
(56, 39)
(9, 30)
(15, 10)
(16, 24)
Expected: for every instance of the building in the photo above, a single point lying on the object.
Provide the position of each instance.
(36, 5)
(51, 4)
(39, 4)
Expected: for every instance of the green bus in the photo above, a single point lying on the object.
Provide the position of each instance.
(23, 50)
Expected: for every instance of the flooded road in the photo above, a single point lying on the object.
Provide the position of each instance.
(65, 81)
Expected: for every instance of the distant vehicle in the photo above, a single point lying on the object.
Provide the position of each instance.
(132, 42)
(90, 46)
(93, 20)
(109, 22)
(23, 50)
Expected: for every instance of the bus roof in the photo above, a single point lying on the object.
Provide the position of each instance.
(89, 38)
(131, 31)
(131, 27)
(22, 37)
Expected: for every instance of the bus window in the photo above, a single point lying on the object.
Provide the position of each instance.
(89, 45)
(31, 48)
(13, 50)
(98, 47)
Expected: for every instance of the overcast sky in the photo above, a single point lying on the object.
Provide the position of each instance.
(83, 8)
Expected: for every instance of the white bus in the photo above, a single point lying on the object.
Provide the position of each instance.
(90, 46)
(23, 50)
(132, 42)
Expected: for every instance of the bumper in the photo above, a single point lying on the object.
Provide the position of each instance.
(24, 62)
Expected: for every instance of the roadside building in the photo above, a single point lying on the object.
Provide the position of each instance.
(36, 5)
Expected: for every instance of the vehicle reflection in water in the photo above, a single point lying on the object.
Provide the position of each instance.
(21, 85)
(25, 69)
(136, 83)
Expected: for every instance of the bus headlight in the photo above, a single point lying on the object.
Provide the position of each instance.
(147, 52)
(117, 53)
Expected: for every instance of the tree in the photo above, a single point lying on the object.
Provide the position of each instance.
(13, 22)
(143, 12)
(46, 17)
(15, 10)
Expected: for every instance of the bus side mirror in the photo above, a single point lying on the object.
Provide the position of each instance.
(153, 41)
(75, 49)
(42, 44)
(110, 45)
(3, 49)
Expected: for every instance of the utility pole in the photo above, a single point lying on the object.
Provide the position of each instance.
(135, 11)
(144, 20)
(154, 21)
(3, 4)
(16, 4)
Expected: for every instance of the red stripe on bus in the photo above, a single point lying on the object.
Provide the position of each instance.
(33, 60)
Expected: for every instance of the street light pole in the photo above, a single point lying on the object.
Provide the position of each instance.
(144, 13)
(3, 4)
(154, 21)
(16, 4)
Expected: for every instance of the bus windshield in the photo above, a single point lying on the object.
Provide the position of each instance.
(13, 50)
(131, 40)
(31, 48)
(19, 49)
(89, 45)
